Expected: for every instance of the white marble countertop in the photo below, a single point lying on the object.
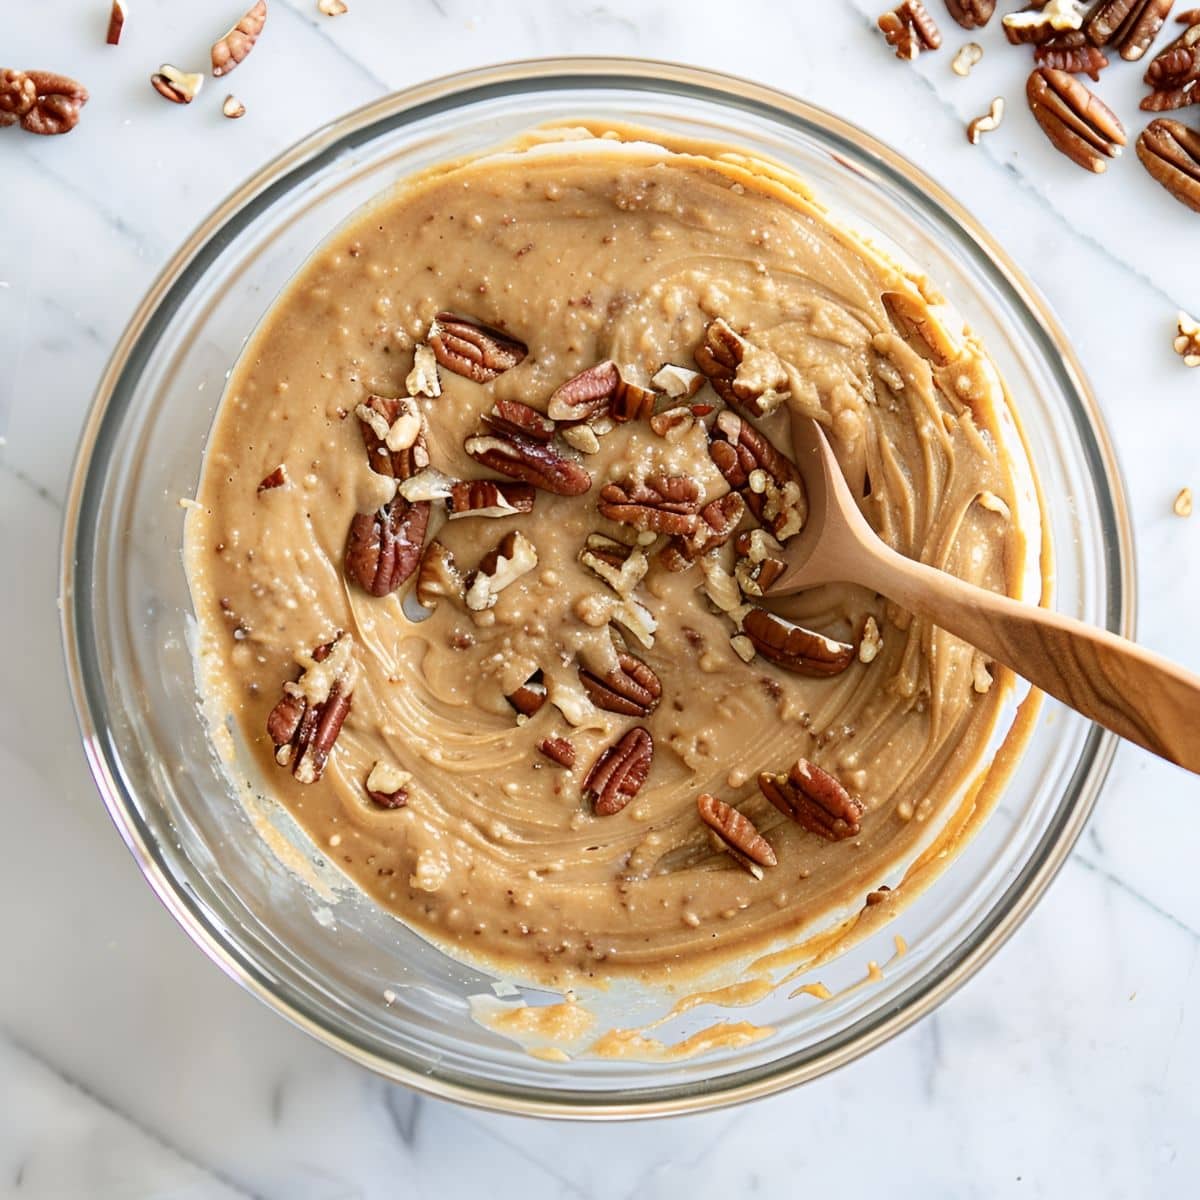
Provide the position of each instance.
(129, 1066)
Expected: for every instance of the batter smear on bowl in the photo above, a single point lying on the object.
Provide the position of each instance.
(485, 535)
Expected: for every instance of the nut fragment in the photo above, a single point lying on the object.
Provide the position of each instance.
(387, 786)
(985, 124)
(559, 750)
(233, 108)
(582, 438)
(438, 576)
(622, 567)
(383, 548)
(116, 22)
(511, 416)
(619, 773)
(332, 8)
(1127, 25)
(631, 688)
(768, 481)
(794, 648)
(813, 798)
(423, 379)
(871, 641)
(677, 383)
(180, 87)
(487, 498)
(1187, 340)
(966, 58)
(232, 49)
(745, 376)
(43, 102)
(472, 350)
(305, 723)
(515, 556)
(1170, 151)
(759, 563)
(1174, 73)
(530, 461)
(1183, 503)
(1078, 123)
(393, 431)
(530, 696)
(1040, 21)
(737, 833)
(277, 478)
(910, 29)
(1071, 52)
(971, 14)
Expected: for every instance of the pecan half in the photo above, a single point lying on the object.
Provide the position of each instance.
(662, 504)
(438, 576)
(745, 376)
(305, 723)
(558, 750)
(618, 774)
(600, 389)
(180, 87)
(383, 547)
(487, 498)
(736, 831)
(1071, 52)
(503, 565)
(511, 416)
(1174, 73)
(631, 688)
(1078, 123)
(116, 22)
(532, 462)
(794, 648)
(814, 799)
(1042, 20)
(387, 786)
(1170, 151)
(718, 521)
(231, 49)
(393, 431)
(910, 29)
(767, 480)
(42, 101)
(472, 350)
(1127, 25)
(530, 696)
(971, 14)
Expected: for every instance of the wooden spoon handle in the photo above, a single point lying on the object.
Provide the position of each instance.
(1139, 695)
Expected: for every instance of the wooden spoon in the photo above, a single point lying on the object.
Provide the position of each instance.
(1137, 694)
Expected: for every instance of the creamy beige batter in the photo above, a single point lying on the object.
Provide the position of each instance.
(586, 250)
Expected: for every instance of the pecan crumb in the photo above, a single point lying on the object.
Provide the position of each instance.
(233, 108)
(387, 786)
(1187, 340)
(1183, 503)
(966, 58)
(277, 478)
(331, 8)
(985, 124)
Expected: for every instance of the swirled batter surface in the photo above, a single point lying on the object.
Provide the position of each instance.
(589, 249)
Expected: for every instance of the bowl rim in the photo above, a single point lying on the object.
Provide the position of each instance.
(405, 107)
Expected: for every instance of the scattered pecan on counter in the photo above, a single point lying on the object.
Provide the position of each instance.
(40, 102)
(1170, 151)
(1174, 73)
(237, 43)
(1129, 26)
(1078, 123)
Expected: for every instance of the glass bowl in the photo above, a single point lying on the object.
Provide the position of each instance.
(316, 951)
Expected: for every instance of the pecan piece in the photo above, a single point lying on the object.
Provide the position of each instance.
(487, 498)
(472, 350)
(1040, 21)
(393, 431)
(814, 799)
(558, 750)
(231, 49)
(305, 723)
(1077, 122)
(1170, 151)
(718, 521)
(631, 688)
(618, 774)
(532, 462)
(987, 123)
(180, 87)
(116, 22)
(759, 562)
(511, 416)
(276, 479)
(503, 565)
(767, 480)
(622, 567)
(1175, 73)
(438, 576)
(910, 29)
(971, 14)
(383, 547)
(662, 504)
(745, 376)
(675, 382)
(1187, 340)
(387, 786)
(1127, 25)
(737, 833)
(794, 648)
(600, 389)
(530, 696)
(1071, 52)
(18, 94)
(42, 101)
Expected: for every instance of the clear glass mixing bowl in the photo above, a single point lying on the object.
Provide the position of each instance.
(350, 975)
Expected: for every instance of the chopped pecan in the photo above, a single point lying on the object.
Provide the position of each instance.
(1070, 51)
(1040, 21)
(116, 22)
(1187, 340)
(814, 799)
(677, 383)
(971, 14)
(618, 774)
(180, 87)
(1170, 151)
(515, 556)
(987, 123)
(673, 423)
(1078, 123)
(305, 723)
(759, 562)
(745, 376)
(558, 750)
(1174, 74)
(387, 786)
(393, 431)
(910, 29)
(630, 688)
(622, 567)
(487, 498)
(239, 41)
(276, 479)
(383, 548)
(438, 576)
(530, 696)
(662, 504)
(1127, 25)
(582, 438)
(332, 8)
(600, 389)
(966, 57)
(472, 350)
(532, 462)
(795, 648)
(423, 379)
(511, 416)
(718, 521)
(737, 833)
(42, 101)
(1183, 503)
(767, 480)
(233, 108)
